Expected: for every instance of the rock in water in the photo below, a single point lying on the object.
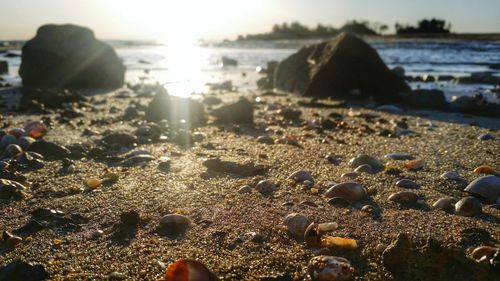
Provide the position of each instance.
(239, 112)
(174, 109)
(426, 99)
(69, 56)
(338, 68)
(4, 67)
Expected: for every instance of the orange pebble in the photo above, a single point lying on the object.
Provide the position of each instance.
(414, 164)
(93, 183)
(484, 170)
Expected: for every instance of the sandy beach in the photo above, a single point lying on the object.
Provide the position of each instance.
(242, 236)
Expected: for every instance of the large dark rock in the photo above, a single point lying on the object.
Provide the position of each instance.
(175, 109)
(426, 99)
(4, 67)
(344, 68)
(240, 112)
(69, 56)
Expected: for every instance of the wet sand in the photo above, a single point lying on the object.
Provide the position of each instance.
(223, 219)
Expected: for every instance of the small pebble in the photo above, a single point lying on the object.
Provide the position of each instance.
(175, 221)
(296, 224)
(350, 175)
(444, 204)
(406, 183)
(468, 207)
(188, 270)
(301, 176)
(93, 183)
(404, 197)
(482, 251)
(484, 137)
(245, 189)
(414, 165)
(265, 187)
(13, 150)
(36, 129)
(484, 170)
(450, 175)
(487, 187)
(365, 168)
(329, 268)
(399, 156)
(350, 191)
(265, 140)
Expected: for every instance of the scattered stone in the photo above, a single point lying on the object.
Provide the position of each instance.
(362, 159)
(240, 112)
(245, 189)
(399, 156)
(49, 149)
(484, 137)
(350, 191)
(22, 271)
(13, 150)
(301, 176)
(10, 189)
(186, 269)
(296, 224)
(332, 159)
(51, 58)
(246, 169)
(365, 168)
(406, 183)
(265, 187)
(119, 138)
(487, 187)
(164, 164)
(468, 207)
(265, 140)
(404, 197)
(350, 175)
(339, 202)
(175, 223)
(166, 107)
(450, 175)
(444, 204)
(136, 160)
(426, 99)
(414, 165)
(329, 268)
(395, 256)
(25, 142)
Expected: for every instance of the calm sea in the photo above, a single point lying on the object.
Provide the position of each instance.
(186, 68)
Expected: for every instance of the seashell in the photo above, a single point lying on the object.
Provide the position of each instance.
(444, 204)
(312, 235)
(245, 189)
(329, 268)
(487, 187)
(406, 183)
(339, 243)
(481, 251)
(366, 159)
(451, 175)
(339, 202)
(13, 150)
(468, 207)
(296, 224)
(93, 183)
(36, 129)
(188, 270)
(351, 175)
(265, 187)
(350, 191)
(404, 197)
(414, 165)
(484, 170)
(301, 176)
(399, 156)
(175, 222)
(365, 168)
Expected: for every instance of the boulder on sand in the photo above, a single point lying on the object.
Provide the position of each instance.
(175, 109)
(240, 112)
(69, 56)
(4, 67)
(339, 68)
(426, 99)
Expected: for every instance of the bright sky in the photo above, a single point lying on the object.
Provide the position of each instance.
(218, 19)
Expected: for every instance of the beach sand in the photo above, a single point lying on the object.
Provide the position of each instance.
(223, 219)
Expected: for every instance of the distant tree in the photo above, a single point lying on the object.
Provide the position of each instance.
(362, 28)
(383, 28)
(432, 26)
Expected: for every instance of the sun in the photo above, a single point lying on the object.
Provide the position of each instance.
(183, 20)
